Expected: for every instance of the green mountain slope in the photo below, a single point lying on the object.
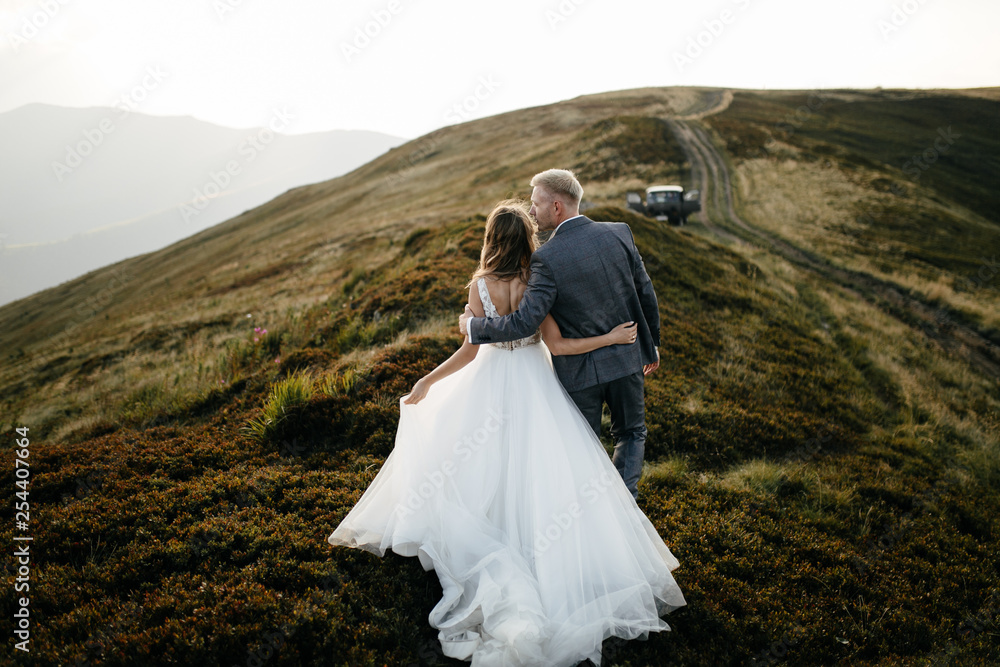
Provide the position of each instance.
(823, 467)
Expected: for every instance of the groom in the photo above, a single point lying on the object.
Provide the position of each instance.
(590, 276)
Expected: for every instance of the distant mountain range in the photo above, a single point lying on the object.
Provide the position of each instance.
(83, 188)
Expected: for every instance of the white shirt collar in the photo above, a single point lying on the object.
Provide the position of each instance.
(563, 223)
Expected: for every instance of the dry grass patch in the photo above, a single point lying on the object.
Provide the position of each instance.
(668, 472)
(758, 475)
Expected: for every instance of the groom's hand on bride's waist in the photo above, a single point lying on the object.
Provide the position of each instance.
(463, 320)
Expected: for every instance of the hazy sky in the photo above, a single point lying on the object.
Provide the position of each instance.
(406, 67)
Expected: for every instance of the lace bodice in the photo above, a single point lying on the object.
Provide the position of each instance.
(491, 311)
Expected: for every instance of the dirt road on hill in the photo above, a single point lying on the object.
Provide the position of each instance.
(714, 101)
(701, 165)
(710, 174)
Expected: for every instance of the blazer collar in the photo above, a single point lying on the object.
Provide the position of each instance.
(571, 224)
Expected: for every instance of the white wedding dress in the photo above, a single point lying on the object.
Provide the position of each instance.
(498, 483)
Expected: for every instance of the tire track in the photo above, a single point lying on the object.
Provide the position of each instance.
(953, 337)
(714, 101)
(700, 166)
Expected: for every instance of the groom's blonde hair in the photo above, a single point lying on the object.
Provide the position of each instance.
(561, 183)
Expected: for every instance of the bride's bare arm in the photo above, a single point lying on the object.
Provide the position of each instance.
(623, 334)
(455, 362)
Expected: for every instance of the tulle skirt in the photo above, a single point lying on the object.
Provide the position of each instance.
(499, 485)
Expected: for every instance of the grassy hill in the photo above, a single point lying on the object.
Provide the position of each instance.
(902, 185)
(824, 466)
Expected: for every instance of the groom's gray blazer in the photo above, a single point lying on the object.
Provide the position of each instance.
(590, 276)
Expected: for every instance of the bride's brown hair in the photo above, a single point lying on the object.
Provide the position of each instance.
(508, 242)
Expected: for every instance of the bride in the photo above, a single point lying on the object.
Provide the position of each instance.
(498, 483)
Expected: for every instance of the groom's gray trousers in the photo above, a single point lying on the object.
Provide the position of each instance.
(625, 400)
